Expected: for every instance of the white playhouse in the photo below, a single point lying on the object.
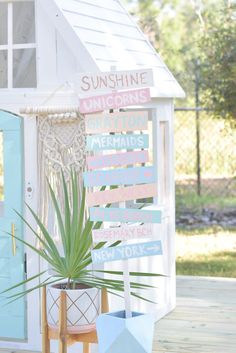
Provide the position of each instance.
(44, 46)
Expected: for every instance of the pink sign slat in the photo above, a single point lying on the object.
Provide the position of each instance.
(114, 100)
(121, 194)
(123, 233)
(117, 159)
(116, 122)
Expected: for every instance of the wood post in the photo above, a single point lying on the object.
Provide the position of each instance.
(45, 336)
(62, 323)
(104, 300)
(86, 347)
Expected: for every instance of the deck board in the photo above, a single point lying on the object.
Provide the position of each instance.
(204, 320)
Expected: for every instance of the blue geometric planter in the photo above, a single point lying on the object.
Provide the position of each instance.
(116, 334)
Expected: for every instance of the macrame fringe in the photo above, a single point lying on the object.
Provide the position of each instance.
(61, 148)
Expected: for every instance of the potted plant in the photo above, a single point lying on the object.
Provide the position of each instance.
(71, 271)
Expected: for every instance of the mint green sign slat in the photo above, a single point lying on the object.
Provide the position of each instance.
(112, 214)
(126, 252)
(125, 176)
(12, 316)
(117, 142)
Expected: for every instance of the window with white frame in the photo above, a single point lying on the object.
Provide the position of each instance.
(17, 44)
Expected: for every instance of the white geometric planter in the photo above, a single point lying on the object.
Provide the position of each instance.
(118, 334)
(83, 308)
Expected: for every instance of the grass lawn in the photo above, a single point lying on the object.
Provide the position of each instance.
(191, 201)
(211, 252)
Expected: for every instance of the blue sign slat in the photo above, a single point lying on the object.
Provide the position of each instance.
(137, 175)
(117, 142)
(126, 252)
(112, 214)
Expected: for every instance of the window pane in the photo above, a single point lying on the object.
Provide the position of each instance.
(23, 22)
(3, 23)
(24, 68)
(3, 69)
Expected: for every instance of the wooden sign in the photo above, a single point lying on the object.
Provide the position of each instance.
(123, 233)
(126, 252)
(114, 80)
(117, 142)
(112, 214)
(125, 176)
(121, 194)
(116, 122)
(117, 159)
(114, 100)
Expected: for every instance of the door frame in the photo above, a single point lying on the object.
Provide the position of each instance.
(30, 172)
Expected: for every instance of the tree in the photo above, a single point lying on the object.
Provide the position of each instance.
(218, 47)
(197, 42)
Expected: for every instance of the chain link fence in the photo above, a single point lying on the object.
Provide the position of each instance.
(205, 150)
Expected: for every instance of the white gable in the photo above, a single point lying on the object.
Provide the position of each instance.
(103, 35)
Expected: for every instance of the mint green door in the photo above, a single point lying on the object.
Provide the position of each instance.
(12, 316)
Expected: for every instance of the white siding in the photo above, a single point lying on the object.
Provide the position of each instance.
(111, 38)
(111, 27)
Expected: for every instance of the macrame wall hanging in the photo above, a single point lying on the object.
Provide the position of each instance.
(61, 147)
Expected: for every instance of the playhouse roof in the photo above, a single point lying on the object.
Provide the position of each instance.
(102, 35)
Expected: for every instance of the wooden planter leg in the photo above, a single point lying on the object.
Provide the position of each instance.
(105, 304)
(45, 338)
(62, 324)
(86, 347)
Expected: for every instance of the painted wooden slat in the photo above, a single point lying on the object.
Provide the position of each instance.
(88, 35)
(101, 51)
(105, 4)
(116, 122)
(148, 59)
(113, 80)
(127, 46)
(112, 214)
(117, 142)
(117, 159)
(125, 176)
(114, 100)
(121, 194)
(125, 252)
(101, 27)
(123, 233)
(73, 8)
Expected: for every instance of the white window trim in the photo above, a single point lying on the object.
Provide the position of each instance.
(10, 46)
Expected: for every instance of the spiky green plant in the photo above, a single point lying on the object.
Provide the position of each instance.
(76, 237)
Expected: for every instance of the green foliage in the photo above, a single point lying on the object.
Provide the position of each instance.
(219, 264)
(218, 47)
(197, 42)
(218, 154)
(191, 201)
(75, 233)
(205, 230)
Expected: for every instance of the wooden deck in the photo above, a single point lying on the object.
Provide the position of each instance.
(204, 320)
